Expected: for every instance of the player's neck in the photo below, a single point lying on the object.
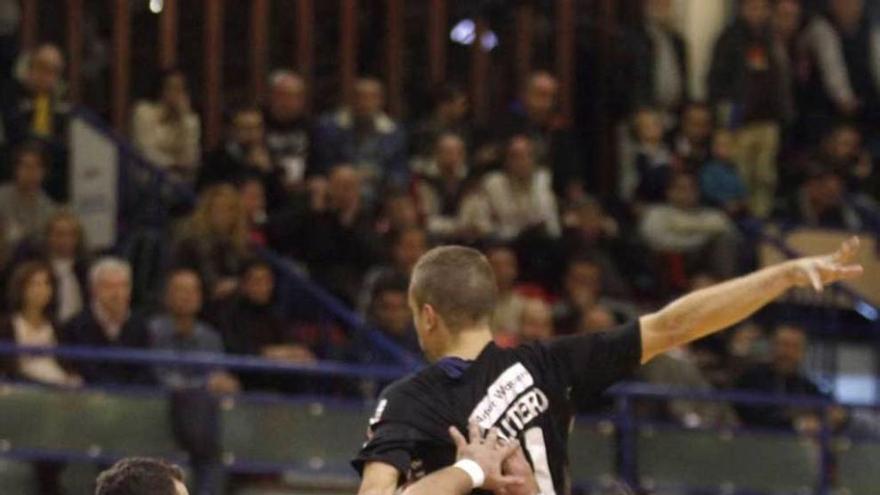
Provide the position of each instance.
(469, 343)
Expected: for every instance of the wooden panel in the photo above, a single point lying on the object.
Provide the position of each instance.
(480, 73)
(394, 55)
(565, 55)
(348, 46)
(168, 30)
(30, 28)
(437, 26)
(524, 35)
(213, 82)
(305, 42)
(259, 47)
(121, 63)
(74, 48)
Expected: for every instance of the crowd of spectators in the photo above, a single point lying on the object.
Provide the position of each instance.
(352, 197)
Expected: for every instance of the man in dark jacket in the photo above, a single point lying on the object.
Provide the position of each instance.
(748, 85)
(782, 376)
(109, 322)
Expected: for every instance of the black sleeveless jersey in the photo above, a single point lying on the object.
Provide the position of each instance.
(524, 392)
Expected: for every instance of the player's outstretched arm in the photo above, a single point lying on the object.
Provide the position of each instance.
(709, 310)
(478, 465)
(379, 478)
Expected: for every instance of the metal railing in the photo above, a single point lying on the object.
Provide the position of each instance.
(627, 438)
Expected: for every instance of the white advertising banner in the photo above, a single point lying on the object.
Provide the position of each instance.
(94, 174)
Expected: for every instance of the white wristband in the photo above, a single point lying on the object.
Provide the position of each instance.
(473, 470)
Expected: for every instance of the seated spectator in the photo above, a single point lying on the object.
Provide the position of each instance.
(590, 231)
(36, 107)
(289, 127)
(398, 211)
(843, 152)
(583, 288)
(390, 312)
(844, 44)
(536, 116)
(820, 202)
(366, 137)
(678, 368)
(407, 246)
(536, 321)
(213, 241)
(248, 322)
(63, 247)
(441, 188)
(333, 235)
(782, 376)
(244, 154)
(109, 322)
(693, 143)
(520, 198)
(167, 130)
(180, 329)
(449, 116)
(654, 163)
(596, 319)
(30, 324)
(748, 82)
(24, 206)
(253, 202)
(194, 408)
(704, 236)
(509, 303)
(720, 183)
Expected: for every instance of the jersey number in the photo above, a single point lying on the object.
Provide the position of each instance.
(538, 453)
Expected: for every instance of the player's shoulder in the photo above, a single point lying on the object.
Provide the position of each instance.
(419, 383)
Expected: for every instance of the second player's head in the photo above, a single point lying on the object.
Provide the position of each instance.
(452, 290)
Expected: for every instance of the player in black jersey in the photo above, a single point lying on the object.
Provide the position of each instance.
(524, 392)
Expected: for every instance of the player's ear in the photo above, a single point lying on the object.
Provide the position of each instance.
(430, 316)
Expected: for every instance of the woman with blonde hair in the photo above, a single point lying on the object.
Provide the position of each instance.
(214, 239)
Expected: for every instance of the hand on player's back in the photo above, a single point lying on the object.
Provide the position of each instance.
(517, 465)
(489, 452)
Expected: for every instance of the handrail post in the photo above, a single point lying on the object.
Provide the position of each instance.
(627, 459)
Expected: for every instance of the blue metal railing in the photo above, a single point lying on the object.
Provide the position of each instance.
(626, 421)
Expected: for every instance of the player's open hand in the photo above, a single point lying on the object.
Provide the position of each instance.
(518, 465)
(819, 271)
(489, 452)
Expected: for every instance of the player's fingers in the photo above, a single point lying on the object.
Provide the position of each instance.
(848, 250)
(813, 275)
(492, 437)
(459, 439)
(510, 449)
(474, 432)
(510, 481)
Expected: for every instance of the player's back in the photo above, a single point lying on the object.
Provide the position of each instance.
(523, 392)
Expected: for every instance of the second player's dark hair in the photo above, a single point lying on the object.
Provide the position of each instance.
(139, 476)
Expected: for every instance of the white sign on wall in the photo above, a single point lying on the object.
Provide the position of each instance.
(94, 175)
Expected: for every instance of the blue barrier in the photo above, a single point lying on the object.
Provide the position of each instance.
(625, 421)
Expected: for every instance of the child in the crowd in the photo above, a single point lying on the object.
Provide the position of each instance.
(654, 162)
(720, 182)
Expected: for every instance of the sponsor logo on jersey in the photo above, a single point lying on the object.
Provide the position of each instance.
(513, 399)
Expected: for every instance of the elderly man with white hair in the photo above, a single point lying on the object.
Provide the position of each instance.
(109, 322)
